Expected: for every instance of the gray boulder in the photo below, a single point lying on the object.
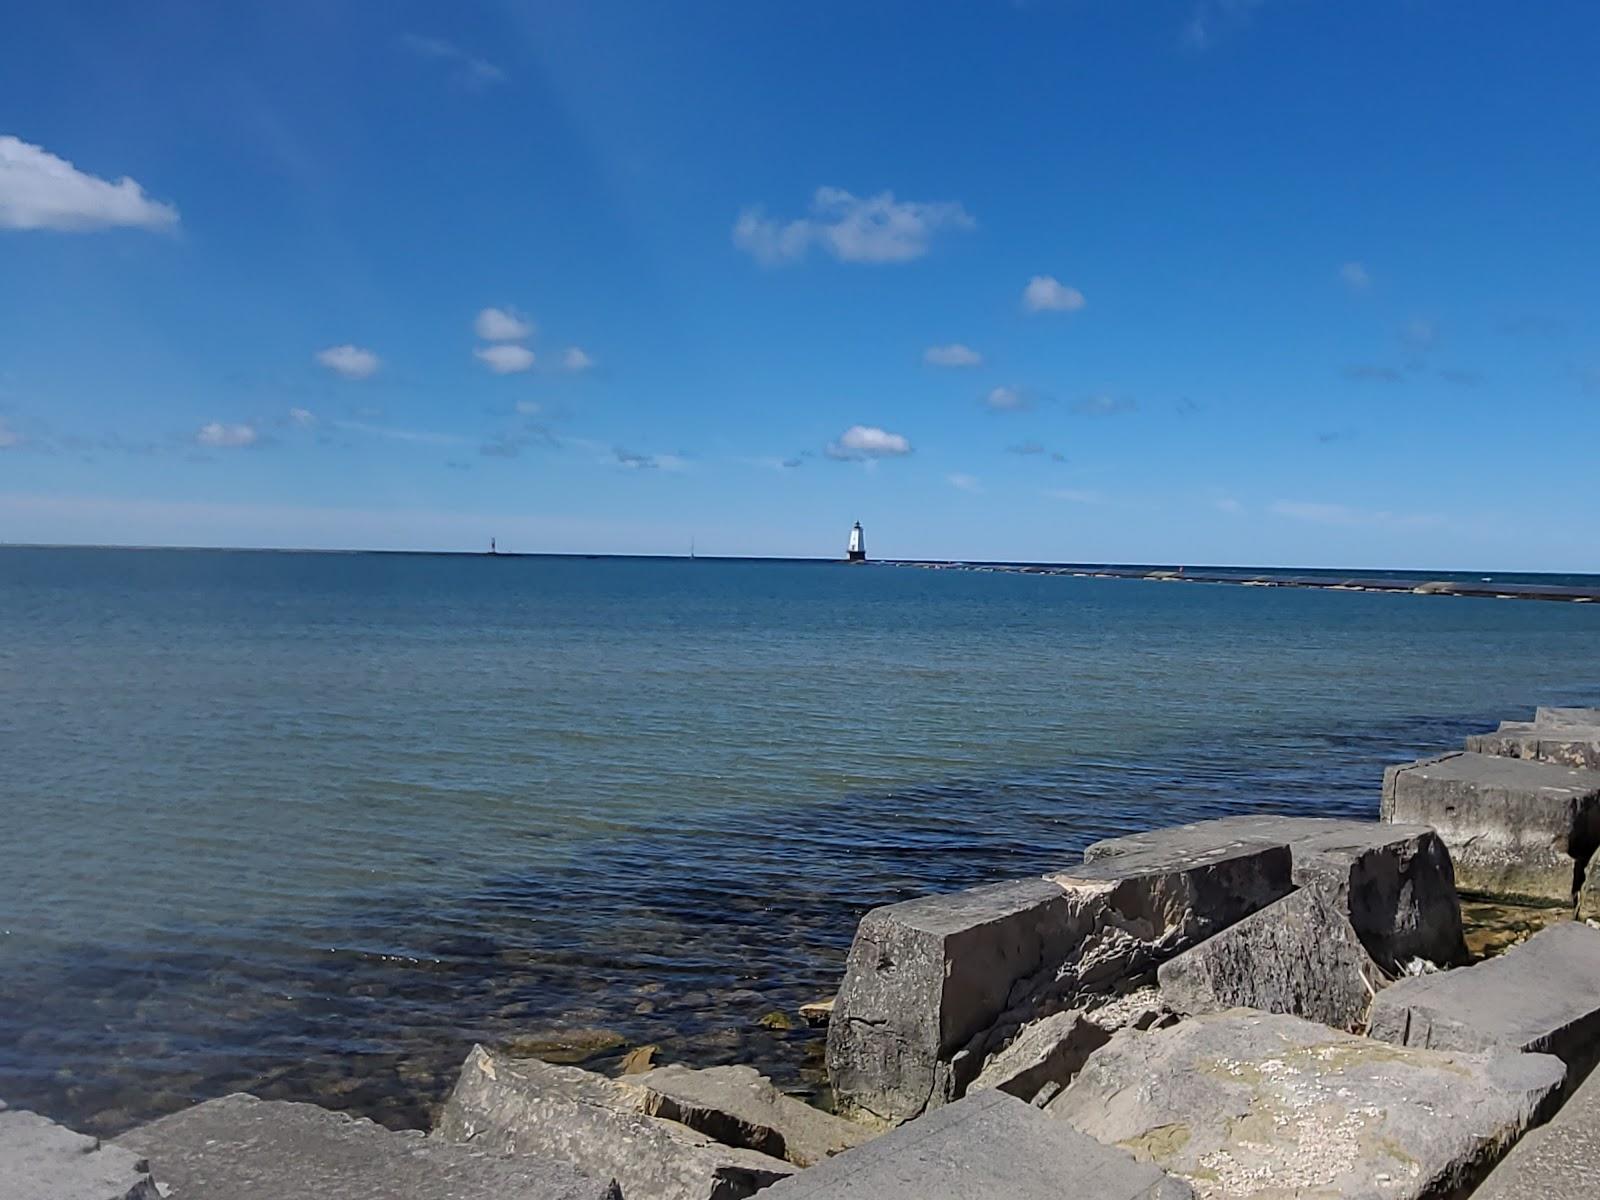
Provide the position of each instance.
(529, 1107)
(1394, 880)
(1542, 995)
(1564, 743)
(1589, 890)
(738, 1106)
(1255, 1104)
(1557, 1161)
(986, 1147)
(1299, 956)
(1045, 1054)
(242, 1148)
(933, 986)
(40, 1160)
(1517, 829)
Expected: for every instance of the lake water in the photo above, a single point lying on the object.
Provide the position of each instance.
(310, 824)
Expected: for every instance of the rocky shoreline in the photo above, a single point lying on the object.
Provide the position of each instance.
(1256, 1006)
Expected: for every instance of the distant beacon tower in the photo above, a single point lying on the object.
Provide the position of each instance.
(858, 545)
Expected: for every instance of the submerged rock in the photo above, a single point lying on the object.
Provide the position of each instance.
(1515, 828)
(933, 986)
(1299, 956)
(817, 1012)
(528, 1107)
(40, 1160)
(1246, 1103)
(1543, 995)
(563, 1045)
(739, 1106)
(989, 1146)
(241, 1148)
(638, 1060)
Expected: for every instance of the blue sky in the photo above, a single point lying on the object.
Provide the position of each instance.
(1244, 281)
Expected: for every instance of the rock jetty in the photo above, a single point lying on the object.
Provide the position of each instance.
(1253, 1008)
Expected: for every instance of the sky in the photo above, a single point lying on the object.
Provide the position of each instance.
(1273, 282)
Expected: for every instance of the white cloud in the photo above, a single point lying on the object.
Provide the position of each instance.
(1355, 276)
(953, 355)
(504, 358)
(1007, 399)
(576, 360)
(502, 325)
(873, 229)
(8, 436)
(303, 417)
(867, 442)
(350, 361)
(1228, 504)
(219, 435)
(1106, 405)
(475, 72)
(1419, 334)
(40, 191)
(1045, 293)
(528, 408)
(421, 437)
(964, 482)
(1074, 495)
(1342, 514)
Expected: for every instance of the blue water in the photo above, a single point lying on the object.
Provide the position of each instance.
(310, 824)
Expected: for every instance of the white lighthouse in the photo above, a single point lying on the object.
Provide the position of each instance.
(858, 545)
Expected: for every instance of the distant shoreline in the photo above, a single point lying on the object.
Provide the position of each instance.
(1507, 585)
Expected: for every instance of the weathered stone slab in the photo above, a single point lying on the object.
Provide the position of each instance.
(1564, 743)
(1545, 715)
(1589, 890)
(1557, 1161)
(529, 1107)
(1255, 1104)
(1299, 956)
(738, 1106)
(1047, 1053)
(40, 1160)
(1543, 996)
(933, 986)
(989, 1146)
(242, 1148)
(1515, 828)
(1395, 880)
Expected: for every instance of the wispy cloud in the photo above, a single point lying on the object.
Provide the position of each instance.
(863, 442)
(1046, 293)
(422, 437)
(1007, 399)
(471, 70)
(502, 325)
(1074, 495)
(574, 359)
(964, 483)
(351, 362)
(505, 358)
(223, 436)
(303, 417)
(9, 437)
(1460, 377)
(1105, 405)
(1372, 373)
(1354, 276)
(648, 462)
(40, 191)
(1227, 504)
(1208, 19)
(1419, 334)
(1319, 513)
(953, 355)
(871, 229)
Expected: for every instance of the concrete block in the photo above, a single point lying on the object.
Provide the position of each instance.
(1557, 1161)
(40, 1160)
(1566, 744)
(1516, 829)
(242, 1148)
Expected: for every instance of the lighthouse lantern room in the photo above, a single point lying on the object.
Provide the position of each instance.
(858, 545)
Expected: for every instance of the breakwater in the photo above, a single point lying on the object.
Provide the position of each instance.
(1483, 587)
(1211, 1010)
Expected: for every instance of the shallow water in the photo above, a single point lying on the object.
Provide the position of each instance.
(308, 825)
